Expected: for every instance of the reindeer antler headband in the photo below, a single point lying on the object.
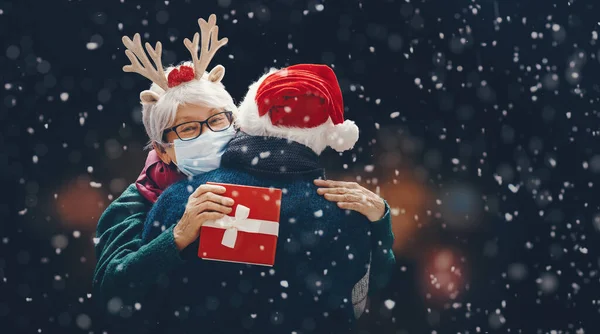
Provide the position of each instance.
(210, 44)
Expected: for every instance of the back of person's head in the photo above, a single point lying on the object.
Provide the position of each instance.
(302, 103)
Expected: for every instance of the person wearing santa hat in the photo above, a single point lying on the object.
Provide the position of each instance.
(125, 266)
(288, 117)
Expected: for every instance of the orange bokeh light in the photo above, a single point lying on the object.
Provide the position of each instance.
(79, 205)
(408, 200)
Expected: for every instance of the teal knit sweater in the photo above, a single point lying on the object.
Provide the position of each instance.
(126, 268)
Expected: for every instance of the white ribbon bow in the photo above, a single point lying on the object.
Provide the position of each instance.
(241, 222)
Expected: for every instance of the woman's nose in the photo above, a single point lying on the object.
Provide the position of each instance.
(204, 128)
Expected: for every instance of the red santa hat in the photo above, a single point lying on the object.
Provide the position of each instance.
(302, 103)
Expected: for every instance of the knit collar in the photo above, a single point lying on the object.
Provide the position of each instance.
(270, 156)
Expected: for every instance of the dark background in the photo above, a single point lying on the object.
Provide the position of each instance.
(479, 123)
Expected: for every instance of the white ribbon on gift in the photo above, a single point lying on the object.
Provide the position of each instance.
(241, 222)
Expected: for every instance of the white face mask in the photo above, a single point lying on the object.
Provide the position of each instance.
(202, 154)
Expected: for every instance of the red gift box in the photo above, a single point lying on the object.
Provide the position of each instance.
(249, 233)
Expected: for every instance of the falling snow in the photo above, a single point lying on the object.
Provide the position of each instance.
(390, 304)
(479, 126)
(91, 46)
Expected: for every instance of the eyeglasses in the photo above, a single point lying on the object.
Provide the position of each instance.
(192, 130)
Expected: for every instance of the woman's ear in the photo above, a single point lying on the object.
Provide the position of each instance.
(217, 74)
(149, 97)
(162, 153)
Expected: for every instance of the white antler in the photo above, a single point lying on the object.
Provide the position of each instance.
(135, 51)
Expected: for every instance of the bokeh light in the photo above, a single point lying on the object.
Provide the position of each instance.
(79, 204)
(460, 207)
(444, 275)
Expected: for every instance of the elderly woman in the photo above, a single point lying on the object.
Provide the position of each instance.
(188, 116)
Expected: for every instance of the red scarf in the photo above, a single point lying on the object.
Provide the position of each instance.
(156, 177)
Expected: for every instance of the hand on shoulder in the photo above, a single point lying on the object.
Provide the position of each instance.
(352, 196)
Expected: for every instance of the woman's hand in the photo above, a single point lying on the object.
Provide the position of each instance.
(352, 196)
(203, 205)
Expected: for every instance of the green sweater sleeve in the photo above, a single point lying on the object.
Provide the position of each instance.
(382, 256)
(126, 268)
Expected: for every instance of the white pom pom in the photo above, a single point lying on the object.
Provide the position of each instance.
(343, 136)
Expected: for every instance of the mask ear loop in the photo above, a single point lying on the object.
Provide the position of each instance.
(161, 146)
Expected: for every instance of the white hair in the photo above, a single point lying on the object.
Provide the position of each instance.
(158, 116)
